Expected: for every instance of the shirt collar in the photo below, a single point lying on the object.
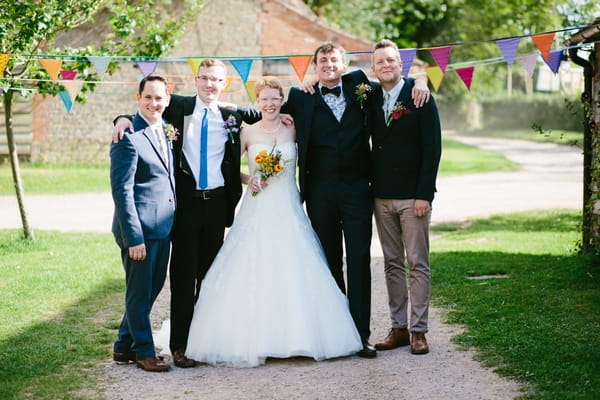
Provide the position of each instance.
(395, 90)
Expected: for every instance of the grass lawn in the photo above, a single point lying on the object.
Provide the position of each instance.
(539, 322)
(559, 136)
(533, 309)
(457, 158)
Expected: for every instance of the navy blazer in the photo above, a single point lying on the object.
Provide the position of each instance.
(143, 188)
(406, 154)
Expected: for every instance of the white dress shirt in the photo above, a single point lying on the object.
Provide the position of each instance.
(388, 106)
(217, 136)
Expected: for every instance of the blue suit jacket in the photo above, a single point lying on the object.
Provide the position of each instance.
(143, 188)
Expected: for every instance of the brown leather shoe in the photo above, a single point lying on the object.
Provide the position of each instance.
(124, 358)
(396, 338)
(180, 360)
(418, 343)
(152, 364)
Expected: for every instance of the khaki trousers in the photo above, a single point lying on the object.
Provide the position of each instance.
(405, 243)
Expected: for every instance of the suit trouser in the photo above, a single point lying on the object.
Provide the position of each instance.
(341, 213)
(197, 237)
(404, 240)
(144, 281)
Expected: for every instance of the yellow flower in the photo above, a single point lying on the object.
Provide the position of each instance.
(277, 168)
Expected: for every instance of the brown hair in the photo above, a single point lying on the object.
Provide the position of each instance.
(150, 78)
(268, 82)
(327, 48)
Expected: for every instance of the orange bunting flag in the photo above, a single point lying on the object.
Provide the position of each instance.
(194, 64)
(250, 85)
(300, 65)
(466, 74)
(543, 42)
(52, 66)
(435, 75)
(3, 61)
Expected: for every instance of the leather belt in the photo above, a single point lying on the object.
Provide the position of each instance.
(209, 194)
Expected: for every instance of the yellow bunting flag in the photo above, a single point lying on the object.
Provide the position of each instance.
(435, 76)
(227, 84)
(300, 65)
(194, 64)
(3, 61)
(52, 66)
(543, 42)
(250, 85)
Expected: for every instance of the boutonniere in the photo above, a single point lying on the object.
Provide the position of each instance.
(397, 112)
(171, 133)
(361, 93)
(231, 127)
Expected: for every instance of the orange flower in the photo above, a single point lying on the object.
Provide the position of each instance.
(277, 168)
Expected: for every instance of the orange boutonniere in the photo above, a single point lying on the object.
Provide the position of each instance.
(398, 112)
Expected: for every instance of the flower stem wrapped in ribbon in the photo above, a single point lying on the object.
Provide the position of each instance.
(171, 133)
(362, 89)
(269, 164)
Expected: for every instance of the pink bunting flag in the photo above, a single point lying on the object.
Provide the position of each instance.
(441, 56)
(466, 74)
(243, 68)
(407, 56)
(528, 61)
(553, 61)
(508, 47)
(147, 67)
(68, 74)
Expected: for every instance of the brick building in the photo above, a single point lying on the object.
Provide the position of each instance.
(260, 28)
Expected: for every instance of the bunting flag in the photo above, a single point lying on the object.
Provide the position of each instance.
(229, 79)
(250, 85)
(194, 64)
(466, 74)
(52, 66)
(441, 56)
(72, 87)
(147, 67)
(528, 61)
(68, 74)
(435, 75)
(543, 42)
(407, 56)
(553, 61)
(100, 63)
(170, 87)
(3, 61)
(66, 99)
(243, 68)
(508, 48)
(300, 65)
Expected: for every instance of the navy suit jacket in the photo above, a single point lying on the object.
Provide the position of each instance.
(406, 154)
(143, 188)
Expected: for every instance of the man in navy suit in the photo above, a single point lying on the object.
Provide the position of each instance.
(406, 154)
(207, 172)
(143, 190)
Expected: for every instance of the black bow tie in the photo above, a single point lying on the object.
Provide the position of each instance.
(335, 91)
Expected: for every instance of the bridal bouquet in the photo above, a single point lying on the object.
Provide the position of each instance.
(269, 164)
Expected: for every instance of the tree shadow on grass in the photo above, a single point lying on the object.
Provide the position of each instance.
(53, 359)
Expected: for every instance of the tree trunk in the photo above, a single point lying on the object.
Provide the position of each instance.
(14, 163)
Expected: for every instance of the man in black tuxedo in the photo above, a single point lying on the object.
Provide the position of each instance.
(406, 154)
(208, 187)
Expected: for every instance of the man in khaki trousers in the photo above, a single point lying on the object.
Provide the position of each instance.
(406, 154)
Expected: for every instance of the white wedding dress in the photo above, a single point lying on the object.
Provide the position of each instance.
(269, 292)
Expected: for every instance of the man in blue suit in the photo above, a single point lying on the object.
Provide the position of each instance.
(143, 190)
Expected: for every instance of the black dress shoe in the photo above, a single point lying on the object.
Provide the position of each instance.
(124, 358)
(368, 351)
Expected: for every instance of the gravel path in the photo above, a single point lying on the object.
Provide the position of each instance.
(550, 178)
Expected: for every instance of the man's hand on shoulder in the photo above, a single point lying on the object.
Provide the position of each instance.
(120, 127)
(420, 93)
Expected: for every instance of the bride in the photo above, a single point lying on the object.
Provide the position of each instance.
(269, 292)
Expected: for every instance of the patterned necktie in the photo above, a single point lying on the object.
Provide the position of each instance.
(161, 143)
(203, 175)
(386, 105)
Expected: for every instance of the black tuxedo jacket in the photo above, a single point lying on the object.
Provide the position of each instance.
(406, 154)
(338, 150)
(179, 107)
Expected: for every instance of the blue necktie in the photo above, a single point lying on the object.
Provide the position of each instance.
(203, 180)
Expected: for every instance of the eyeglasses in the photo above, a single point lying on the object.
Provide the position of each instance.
(212, 79)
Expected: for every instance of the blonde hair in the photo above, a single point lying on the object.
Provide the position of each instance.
(268, 82)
